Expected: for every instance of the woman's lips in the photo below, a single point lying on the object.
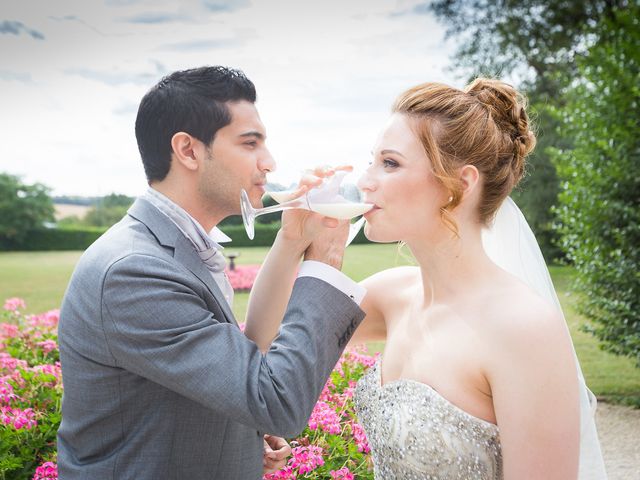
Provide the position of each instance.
(372, 211)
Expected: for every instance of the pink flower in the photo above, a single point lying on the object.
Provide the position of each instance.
(242, 276)
(360, 437)
(8, 330)
(286, 473)
(49, 319)
(10, 364)
(358, 354)
(47, 345)
(6, 391)
(342, 474)
(13, 304)
(46, 471)
(324, 417)
(49, 369)
(18, 418)
(306, 459)
(327, 395)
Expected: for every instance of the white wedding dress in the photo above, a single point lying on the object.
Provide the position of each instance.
(415, 433)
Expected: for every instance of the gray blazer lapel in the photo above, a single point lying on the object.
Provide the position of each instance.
(169, 235)
(187, 256)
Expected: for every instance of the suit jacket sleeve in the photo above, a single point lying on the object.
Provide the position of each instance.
(158, 326)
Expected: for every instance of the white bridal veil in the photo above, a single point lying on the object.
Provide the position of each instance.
(511, 244)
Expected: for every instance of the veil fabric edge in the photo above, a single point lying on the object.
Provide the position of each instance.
(511, 244)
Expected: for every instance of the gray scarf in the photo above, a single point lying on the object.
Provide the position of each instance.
(204, 244)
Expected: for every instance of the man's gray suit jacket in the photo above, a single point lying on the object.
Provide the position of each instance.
(159, 381)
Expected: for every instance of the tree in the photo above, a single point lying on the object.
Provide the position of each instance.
(108, 210)
(536, 41)
(23, 208)
(599, 205)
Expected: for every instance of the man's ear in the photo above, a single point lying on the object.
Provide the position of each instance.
(470, 177)
(184, 147)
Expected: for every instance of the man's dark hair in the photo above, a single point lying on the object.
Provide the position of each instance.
(191, 101)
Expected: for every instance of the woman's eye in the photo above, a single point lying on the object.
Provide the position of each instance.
(387, 162)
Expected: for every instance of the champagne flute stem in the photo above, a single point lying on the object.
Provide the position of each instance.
(295, 203)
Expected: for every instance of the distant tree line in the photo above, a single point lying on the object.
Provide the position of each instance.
(75, 200)
(22, 208)
(104, 211)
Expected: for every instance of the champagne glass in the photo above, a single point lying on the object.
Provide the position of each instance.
(332, 198)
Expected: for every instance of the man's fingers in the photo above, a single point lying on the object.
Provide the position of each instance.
(279, 448)
(310, 180)
(330, 222)
(279, 454)
(323, 171)
(301, 190)
(274, 464)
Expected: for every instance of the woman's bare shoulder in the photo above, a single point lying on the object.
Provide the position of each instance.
(514, 314)
(392, 278)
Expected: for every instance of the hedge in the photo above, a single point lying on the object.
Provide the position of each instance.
(79, 238)
(60, 238)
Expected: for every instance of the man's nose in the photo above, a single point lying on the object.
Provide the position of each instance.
(266, 163)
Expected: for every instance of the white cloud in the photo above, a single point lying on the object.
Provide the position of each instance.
(326, 74)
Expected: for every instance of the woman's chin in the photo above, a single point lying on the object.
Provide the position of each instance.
(376, 236)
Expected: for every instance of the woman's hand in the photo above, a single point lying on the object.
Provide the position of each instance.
(302, 226)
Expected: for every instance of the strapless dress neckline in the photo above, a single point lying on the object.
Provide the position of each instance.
(432, 391)
(415, 433)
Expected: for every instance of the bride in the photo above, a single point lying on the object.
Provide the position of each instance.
(478, 379)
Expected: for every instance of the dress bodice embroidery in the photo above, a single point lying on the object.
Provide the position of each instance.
(415, 433)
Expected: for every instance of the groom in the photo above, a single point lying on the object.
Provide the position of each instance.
(159, 381)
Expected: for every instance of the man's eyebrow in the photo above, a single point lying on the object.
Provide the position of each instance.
(253, 133)
(386, 152)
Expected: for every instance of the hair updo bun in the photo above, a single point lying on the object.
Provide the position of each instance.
(485, 125)
(508, 110)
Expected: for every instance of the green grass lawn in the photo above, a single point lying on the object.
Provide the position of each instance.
(41, 278)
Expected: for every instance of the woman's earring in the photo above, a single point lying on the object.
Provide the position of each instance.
(450, 198)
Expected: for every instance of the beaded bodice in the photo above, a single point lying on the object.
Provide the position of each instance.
(415, 433)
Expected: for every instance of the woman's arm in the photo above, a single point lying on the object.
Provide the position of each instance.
(274, 283)
(372, 328)
(272, 289)
(534, 384)
(388, 291)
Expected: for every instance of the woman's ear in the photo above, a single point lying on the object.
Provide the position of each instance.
(469, 177)
(183, 148)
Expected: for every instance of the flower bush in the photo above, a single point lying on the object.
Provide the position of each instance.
(332, 446)
(30, 392)
(242, 276)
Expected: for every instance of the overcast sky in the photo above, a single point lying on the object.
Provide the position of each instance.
(73, 72)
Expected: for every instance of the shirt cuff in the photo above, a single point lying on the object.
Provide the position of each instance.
(334, 277)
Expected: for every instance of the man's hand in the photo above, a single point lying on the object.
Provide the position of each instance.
(276, 451)
(328, 244)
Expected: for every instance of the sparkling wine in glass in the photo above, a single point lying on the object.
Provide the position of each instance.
(332, 198)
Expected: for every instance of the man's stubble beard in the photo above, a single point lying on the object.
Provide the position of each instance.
(214, 191)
